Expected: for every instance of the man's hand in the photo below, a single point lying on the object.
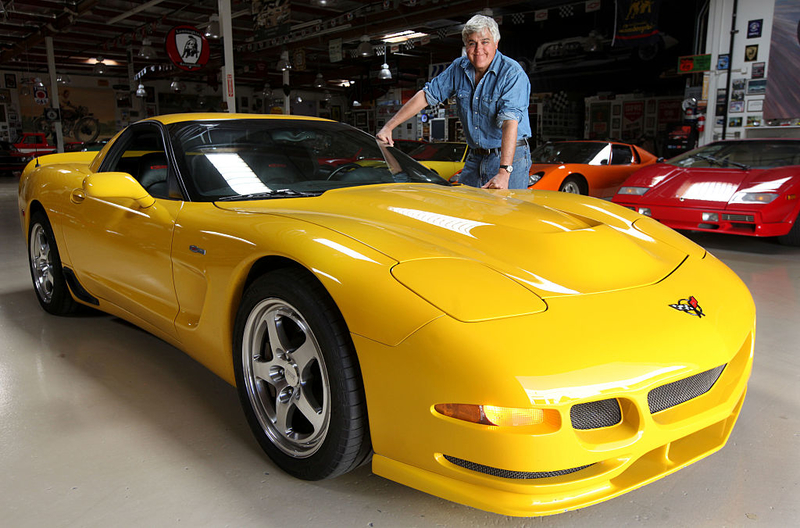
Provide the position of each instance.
(385, 136)
(500, 181)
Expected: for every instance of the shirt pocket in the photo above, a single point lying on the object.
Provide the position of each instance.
(463, 100)
(488, 106)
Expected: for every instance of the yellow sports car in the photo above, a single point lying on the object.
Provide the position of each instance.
(523, 352)
(444, 158)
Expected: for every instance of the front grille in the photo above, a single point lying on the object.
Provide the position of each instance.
(597, 414)
(681, 391)
(504, 473)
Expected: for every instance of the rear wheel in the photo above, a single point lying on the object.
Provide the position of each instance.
(573, 185)
(45, 264)
(792, 238)
(298, 377)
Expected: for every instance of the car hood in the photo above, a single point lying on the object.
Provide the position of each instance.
(706, 187)
(552, 243)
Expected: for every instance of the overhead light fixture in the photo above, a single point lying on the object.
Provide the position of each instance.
(99, 66)
(147, 51)
(267, 91)
(402, 36)
(319, 82)
(212, 29)
(177, 86)
(385, 73)
(356, 103)
(37, 83)
(140, 91)
(63, 78)
(324, 3)
(283, 63)
(365, 48)
(298, 99)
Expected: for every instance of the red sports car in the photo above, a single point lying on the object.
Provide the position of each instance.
(745, 187)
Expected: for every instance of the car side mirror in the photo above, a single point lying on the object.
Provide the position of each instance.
(116, 185)
(660, 160)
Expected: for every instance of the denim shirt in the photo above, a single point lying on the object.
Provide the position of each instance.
(503, 93)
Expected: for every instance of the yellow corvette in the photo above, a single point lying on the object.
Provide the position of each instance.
(522, 352)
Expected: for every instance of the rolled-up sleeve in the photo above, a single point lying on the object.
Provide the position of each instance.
(515, 97)
(441, 87)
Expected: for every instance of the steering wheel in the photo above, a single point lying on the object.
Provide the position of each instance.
(342, 168)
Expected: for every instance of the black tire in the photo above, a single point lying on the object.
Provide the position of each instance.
(45, 266)
(574, 185)
(298, 377)
(86, 129)
(792, 238)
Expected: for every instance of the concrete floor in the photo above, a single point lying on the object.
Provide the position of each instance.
(104, 425)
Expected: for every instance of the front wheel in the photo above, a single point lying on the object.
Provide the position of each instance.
(45, 264)
(298, 377)
(86, 129)
(792, 238)
(573, 185)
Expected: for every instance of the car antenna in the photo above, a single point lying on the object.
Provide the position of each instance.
(37, 161)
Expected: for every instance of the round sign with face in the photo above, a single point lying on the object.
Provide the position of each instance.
(187, 48)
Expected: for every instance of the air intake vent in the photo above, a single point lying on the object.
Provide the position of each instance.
(504, 473)
(594, 415)
(681, 391)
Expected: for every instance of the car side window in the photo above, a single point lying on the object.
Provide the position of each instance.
(142, 154)
(621, 155)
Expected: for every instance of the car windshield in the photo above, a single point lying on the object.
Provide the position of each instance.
(439, 152)
(260, 158)
(761, 154)
(584, 152)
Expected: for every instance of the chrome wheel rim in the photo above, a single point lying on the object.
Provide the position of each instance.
(41, 263)
(571, 187)
(286, 378)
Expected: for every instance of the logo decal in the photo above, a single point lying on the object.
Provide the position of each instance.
(690, 306)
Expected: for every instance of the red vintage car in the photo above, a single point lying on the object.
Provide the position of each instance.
(744, 187)
(34, 144)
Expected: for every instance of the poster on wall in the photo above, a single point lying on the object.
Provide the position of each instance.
(782, 99)
(632, 120)
(86, 114)
(669, 111)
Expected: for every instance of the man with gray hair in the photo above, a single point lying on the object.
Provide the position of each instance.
(492, 92)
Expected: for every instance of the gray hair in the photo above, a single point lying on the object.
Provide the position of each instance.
(477, 24)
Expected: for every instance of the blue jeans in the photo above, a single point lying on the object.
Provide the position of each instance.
(478, 170)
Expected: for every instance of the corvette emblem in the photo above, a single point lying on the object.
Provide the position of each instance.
(690, 306)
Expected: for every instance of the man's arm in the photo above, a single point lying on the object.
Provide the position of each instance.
(508, 147)
(409, 110)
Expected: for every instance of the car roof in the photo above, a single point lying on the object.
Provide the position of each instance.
(224, 116)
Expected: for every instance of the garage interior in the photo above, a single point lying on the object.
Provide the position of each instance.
(104, 424)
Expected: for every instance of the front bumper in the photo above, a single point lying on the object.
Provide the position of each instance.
(630, 342)
(744, 222)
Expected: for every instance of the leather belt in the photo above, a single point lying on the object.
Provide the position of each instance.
(496, 150)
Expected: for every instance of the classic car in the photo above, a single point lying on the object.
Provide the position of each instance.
(444, 158)
(743, 187)
(34, 144)
(11, 159)
(594, 168)
(334, 299)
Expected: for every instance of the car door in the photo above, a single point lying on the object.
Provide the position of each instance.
(120, 251)
(621, 165)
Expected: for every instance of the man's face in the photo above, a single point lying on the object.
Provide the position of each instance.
(481, 48)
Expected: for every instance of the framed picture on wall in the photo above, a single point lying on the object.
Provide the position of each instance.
(751, 53)
(11, 80)
(757, 87)
(735, 122)
(755, 105)
(758, 70)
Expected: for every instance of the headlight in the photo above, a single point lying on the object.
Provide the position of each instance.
(636, 191)
(535, 177)
(753, 197)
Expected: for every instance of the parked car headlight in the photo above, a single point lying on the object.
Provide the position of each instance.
(753, 197)
(535, 177)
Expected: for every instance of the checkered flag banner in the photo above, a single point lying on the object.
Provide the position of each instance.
(566, 11)
(442, 32)
(408, 45)
(558, 102)
(380, 51)
(518, 18)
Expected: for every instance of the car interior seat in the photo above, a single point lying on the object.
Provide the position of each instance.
(153, 172)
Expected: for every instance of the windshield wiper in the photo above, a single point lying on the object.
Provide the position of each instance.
(722, 163)
(710, 159)
(279, 193)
